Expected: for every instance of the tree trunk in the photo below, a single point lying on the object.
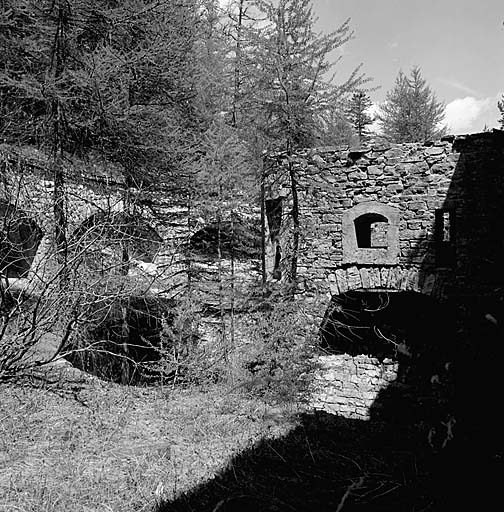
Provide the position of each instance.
(295, 222)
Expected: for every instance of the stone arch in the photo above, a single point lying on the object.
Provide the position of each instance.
(391, 278)
(352, 382)
(20, 236)
(358, 234)
(108, 236)
(239, 237)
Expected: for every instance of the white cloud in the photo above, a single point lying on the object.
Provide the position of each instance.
(373, 111)
(470, 114)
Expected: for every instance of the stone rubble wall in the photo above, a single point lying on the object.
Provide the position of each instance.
(97, 186)
(348, 386)
(414, 178)
(462, 175)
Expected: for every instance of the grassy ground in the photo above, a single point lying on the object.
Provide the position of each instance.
(90, 446)
(78, 444)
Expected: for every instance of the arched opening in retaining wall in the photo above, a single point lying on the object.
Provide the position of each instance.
(20, 237)
(238, 238)
(382, 350)
(108, 240)
(135, 340)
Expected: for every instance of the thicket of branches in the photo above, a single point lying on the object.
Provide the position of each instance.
(180, 96)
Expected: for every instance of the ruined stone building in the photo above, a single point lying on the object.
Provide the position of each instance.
(401, 249)
(399, 257)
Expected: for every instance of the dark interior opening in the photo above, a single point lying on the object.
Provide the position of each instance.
(274, 216)
(20, 237)
(410, 329)
(126, 340)
(444, 234)
(239, 239)
(277, 273)
(386, 325)
(371, 230)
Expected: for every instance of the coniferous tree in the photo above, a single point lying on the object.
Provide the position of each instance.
(291, 65)
(336, 129)
(500, 106)
(411, 111)
(119, 75)
(109, 79)
(358, 114)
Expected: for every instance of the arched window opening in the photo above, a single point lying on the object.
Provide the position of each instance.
(370, 234)
(20, 237)
(371, 230)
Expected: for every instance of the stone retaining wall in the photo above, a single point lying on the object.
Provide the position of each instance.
(348, 386)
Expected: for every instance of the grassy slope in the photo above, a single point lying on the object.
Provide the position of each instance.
(79, 445)
(103, 447)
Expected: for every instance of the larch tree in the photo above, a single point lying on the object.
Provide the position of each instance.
(222, 172)
(411, 111)
(291, 62)
(116, 77)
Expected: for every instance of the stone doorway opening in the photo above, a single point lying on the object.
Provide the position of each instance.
(376, 343)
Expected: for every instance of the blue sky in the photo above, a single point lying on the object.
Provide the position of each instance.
(458, 44)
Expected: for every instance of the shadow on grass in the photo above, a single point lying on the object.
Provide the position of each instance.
(329, 463)
(396, 462)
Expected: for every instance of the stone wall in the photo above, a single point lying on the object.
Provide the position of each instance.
(447, 194)
(349, 386)
(95, 187)
(421, 217)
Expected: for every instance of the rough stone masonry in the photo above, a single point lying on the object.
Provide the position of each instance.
(419, 217)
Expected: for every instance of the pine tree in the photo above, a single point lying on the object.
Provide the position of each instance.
(357, 114)
(411, 111)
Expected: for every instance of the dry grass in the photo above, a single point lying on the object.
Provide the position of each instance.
(73, 446)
